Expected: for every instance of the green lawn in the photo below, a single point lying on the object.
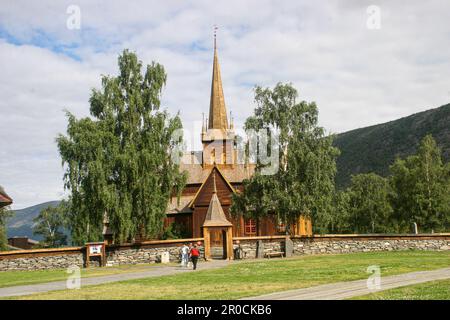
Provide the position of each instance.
(433, 290)
(18, 278)
(259, 276)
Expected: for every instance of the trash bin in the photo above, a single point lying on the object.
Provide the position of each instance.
(237, 253)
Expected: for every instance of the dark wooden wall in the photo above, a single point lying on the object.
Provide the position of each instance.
(183, 219)
(266, 227)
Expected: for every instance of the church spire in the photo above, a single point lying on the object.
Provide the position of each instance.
(217, 110)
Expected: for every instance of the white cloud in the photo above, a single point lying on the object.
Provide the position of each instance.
(357, 76)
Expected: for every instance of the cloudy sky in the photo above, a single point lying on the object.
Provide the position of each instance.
(359, 69)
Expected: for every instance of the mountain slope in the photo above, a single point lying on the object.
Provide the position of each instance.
(374, 148)
(21, 223)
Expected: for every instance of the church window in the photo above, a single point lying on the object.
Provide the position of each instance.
(250, 227)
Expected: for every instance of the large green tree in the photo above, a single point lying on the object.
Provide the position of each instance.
(304, 180)
(339, 221)
(422, 189)
(49, 224)
(368, 204)
(119, 161)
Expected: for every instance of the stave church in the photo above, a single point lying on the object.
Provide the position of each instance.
(214, 174)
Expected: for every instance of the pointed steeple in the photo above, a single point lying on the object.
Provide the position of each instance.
(215, 217)
(217, 110)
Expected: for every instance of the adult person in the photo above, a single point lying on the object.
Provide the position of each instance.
(184, 255)
(195, 253)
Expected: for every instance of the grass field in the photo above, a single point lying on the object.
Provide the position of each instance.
(433, 290)
(17, 278)
(259, 277)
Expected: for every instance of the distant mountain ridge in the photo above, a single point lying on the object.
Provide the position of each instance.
(374, 148)
(21, 223)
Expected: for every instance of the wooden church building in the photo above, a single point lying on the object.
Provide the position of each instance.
(214, 174)
(5, 200)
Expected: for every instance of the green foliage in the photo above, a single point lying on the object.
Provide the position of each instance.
(120, 163)
(304, 182)
(5, 213)
(422, 189)
(339, 221)
(418, 190)
(375, 148)
(369, 208)
(175, 231)
(49, 224)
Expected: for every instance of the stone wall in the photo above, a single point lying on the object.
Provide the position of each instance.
(341, 244)
(150, 251)
(42, 259)
(334, 244)
(144, 252)
(249, 246)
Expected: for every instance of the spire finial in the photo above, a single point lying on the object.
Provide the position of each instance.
(215, 35)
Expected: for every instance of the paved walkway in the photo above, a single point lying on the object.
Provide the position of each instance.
(152, 272)
(345, 290)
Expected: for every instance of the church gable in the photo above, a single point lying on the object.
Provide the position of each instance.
(204, 194)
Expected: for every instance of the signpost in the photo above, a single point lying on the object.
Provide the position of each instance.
(96, 249)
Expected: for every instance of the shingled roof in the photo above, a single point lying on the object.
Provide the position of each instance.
(233, 174)
(5, 200)
(215, 217)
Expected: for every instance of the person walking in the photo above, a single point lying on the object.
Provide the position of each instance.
(184, 256)
(195, 253)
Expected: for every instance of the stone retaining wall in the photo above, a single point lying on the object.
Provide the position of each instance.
(333, 244)
(150, 251)
(144, 252)
(249, 246)
(42, 259)
(348, 245)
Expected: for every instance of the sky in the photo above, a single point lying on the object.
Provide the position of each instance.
(362, 62)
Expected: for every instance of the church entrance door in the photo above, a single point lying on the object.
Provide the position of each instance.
(218, 243)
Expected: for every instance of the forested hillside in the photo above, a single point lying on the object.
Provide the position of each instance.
(374, 148)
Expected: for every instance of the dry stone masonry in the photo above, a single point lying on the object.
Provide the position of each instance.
(251, 248)
(334, 246)
(43, 262)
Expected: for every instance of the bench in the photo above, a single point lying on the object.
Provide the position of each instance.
(274, 254)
